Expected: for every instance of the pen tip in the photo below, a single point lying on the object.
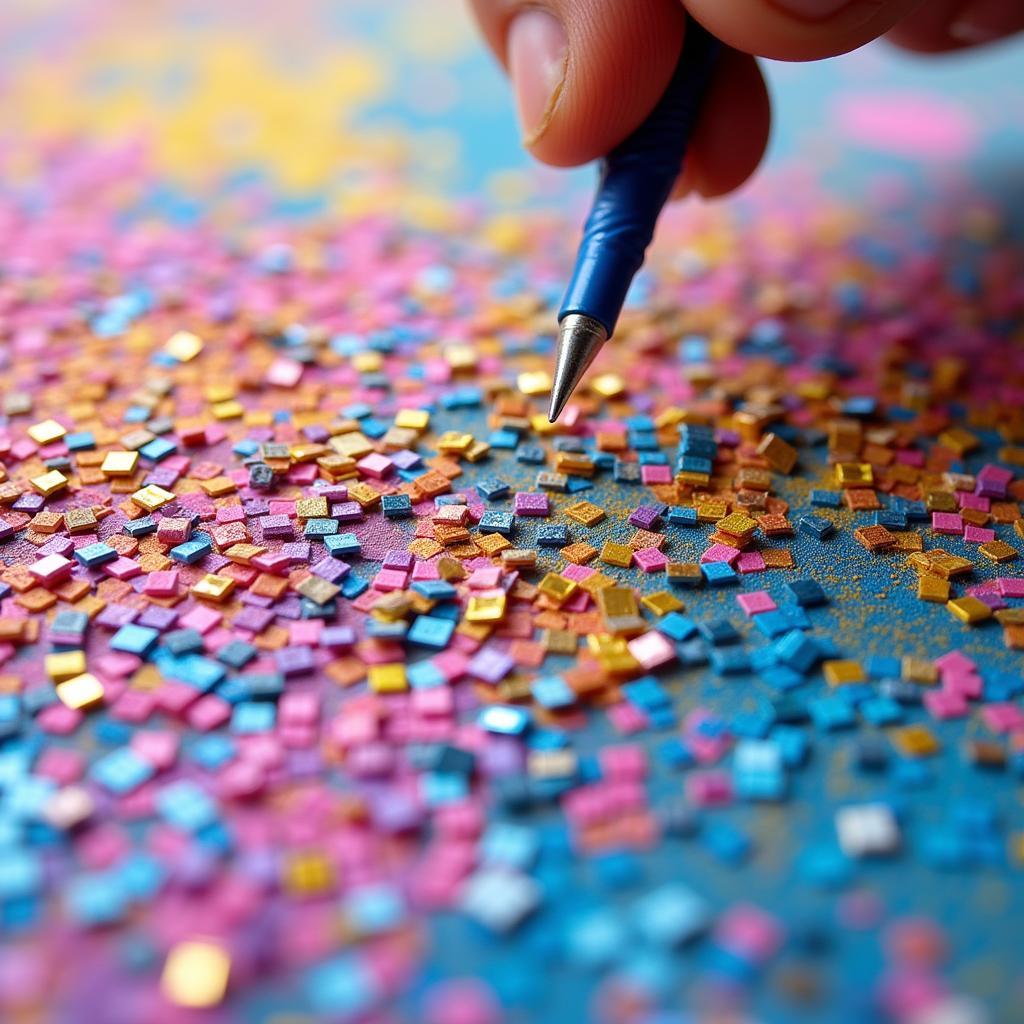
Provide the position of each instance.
(559, 396)
(580, 338)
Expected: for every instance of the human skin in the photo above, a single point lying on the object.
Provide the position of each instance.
(585, 73)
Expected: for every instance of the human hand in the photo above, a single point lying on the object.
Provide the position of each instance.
(587, 72)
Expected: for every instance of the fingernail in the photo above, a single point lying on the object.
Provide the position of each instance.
(538, 55)
(811, 10)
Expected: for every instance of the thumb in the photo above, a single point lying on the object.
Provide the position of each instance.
(585, 72)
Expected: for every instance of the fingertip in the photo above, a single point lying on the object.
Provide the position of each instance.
(578, 100)
(619, 60)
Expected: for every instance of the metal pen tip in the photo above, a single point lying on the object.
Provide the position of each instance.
(580, 338)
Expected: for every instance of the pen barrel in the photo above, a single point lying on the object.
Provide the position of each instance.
(636, 181)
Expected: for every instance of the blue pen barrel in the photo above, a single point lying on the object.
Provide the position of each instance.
(636, 180)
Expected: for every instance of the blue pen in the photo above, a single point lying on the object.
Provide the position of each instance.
(636, 181)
